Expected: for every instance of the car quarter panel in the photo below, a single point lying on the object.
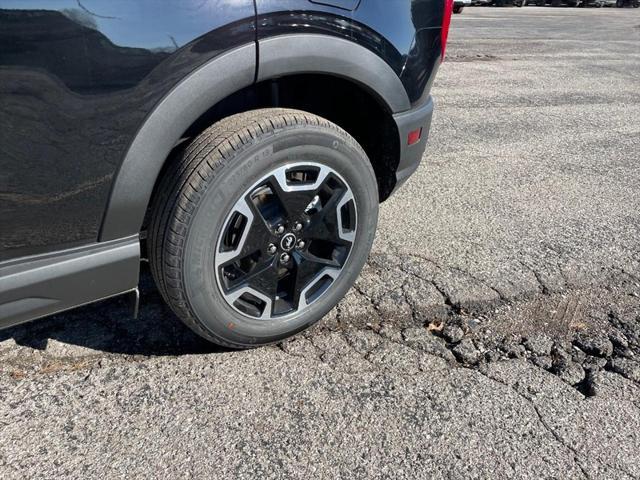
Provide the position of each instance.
(404, 33)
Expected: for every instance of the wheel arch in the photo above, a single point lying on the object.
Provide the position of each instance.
(313, 53)
(134, 181)
(219, 79)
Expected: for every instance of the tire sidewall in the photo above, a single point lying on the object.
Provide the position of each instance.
(234, 177)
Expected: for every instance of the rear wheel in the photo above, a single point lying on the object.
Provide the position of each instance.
(458, 9)
(262, 225)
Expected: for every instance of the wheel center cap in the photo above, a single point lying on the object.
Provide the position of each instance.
(288, 242)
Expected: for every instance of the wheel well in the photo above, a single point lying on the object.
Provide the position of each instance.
(341, 101)
(345, 103)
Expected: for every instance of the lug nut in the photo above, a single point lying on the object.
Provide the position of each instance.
(272, 249)
(280, 229)
(297, 227)
(300, 245)
(284, 258)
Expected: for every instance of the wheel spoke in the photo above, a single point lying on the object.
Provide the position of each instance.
(265, 281)
(308, 268)
(348, 235)
(329, 209)
(323, 262)
(261, 230)
(253, 277)
(261, 282)
(255, 236)
(296, 198)
(325, 224)
(294, 201)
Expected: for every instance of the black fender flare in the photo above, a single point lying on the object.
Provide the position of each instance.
(315, 53)
(278, 56)
(133, 184)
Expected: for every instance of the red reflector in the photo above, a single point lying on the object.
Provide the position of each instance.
(414, 137)
(446, 20)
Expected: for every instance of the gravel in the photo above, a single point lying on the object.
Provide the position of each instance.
(539, 344)
(594, 345)
(466, 352)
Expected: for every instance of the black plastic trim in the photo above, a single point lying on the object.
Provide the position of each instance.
(193, 96)
(41, 285)
(411, 155)
(314, 53)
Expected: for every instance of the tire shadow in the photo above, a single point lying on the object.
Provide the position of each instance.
(108, 326)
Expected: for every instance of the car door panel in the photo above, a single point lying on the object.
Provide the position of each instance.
(77, 80)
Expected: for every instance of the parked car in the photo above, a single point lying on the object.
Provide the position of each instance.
(504, 3)
(591, 3)
(577, 3)
(621, 3)
(568, 3)
(242, 148)
(458, 5)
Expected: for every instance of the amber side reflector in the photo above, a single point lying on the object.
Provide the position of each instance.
(414, 136)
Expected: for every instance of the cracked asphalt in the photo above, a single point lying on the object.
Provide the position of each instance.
(494, 333)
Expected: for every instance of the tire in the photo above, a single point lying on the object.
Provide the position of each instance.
(196, 209)
(620, 3)
(458, 9)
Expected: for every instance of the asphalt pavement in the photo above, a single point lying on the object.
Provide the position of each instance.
(494, 332)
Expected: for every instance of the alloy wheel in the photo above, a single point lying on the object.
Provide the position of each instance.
(286, 240)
